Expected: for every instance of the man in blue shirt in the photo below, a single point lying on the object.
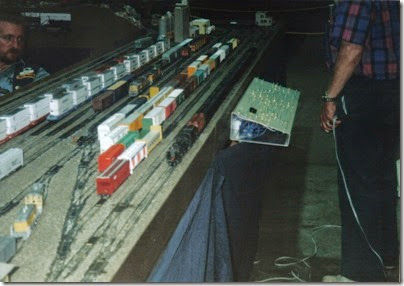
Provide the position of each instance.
(14, 72)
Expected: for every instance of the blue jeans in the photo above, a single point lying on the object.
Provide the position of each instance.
(368, 142)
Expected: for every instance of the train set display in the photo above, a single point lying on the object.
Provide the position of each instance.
(91, 156)
(127, 137)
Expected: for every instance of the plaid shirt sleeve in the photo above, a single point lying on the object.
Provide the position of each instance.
(352, 22)
(373, 24)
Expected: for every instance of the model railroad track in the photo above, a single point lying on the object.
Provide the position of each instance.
(52, 128)
(67, 267)
(64, 265)
(45, 178)
(49, 129)
(48, 126)
(91, 135)
(22, 96)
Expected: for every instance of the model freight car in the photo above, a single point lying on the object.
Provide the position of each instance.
(10, 160)
(106, 158)
(110, 180)
(134, 155)
(112, 138)
(58, 103)
(3, 130)
(17, 121)
(152, 138)
(38, 109)
(113, 94)
(174, 53)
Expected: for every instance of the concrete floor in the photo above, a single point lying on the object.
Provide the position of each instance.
(302, 189)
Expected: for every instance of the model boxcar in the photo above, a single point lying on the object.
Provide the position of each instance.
(155, 117)
(38, 109)
(178, 94)
(10, 160)
(112, 138)
(107, 77)
(60, 106)
(3, 129)
(17, 121)
(169, 104)
(108, 125)
(134, 155)
(120, 89)
(133, 122)
(110, 180)
(105, 100)
(119, 70)
(152, 138)
(109, 156)
(129, 138)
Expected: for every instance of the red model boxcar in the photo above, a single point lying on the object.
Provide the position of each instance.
(110, 180)
(109, 156)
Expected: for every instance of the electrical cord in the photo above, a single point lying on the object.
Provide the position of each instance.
(282, 262)
(348, 194)
(286, 261)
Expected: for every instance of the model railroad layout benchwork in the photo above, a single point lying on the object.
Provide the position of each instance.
(90, 156)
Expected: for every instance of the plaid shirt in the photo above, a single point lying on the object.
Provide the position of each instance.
(375, 25)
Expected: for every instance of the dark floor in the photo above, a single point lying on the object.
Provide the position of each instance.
(302, 189)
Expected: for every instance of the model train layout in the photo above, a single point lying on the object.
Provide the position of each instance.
(95, 144)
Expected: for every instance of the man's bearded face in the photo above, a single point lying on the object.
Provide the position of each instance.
(11, 42)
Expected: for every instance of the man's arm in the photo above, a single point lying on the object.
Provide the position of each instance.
(348, 58)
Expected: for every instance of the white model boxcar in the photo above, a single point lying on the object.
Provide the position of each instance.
(108, 125)
(3, 129)
(134, 154)
(16, 120)
(157, 115)
(10, 160)
(119, 71)
(107, 78)
(60, 104)
(38, 108)
(93, 85)
(79, 94)
(113, 137)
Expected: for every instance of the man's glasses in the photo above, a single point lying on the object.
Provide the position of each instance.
(10, 38)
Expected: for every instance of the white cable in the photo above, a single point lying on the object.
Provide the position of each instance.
(296, 261)
(348, 194)
(276, 279)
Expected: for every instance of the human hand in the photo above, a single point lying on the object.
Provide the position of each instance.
(327, 116)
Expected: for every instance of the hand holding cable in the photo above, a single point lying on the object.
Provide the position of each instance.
(327, 116)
